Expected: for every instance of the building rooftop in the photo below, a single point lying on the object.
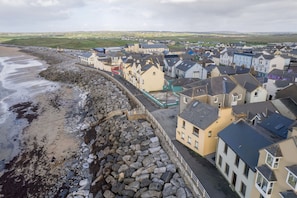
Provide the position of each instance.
(186, 65)
(200, 114)
(240, 137)
(267, 173)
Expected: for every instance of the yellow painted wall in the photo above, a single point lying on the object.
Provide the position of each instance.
(152, 80)
(207, 145)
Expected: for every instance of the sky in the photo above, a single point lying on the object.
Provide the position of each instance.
(148, 15)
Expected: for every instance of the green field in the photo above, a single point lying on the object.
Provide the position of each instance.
(88, 40)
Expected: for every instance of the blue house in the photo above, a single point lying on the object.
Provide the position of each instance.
(243, 59)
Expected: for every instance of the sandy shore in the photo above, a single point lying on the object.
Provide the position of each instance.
(45, 142)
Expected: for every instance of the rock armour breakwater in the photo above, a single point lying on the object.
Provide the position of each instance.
(117, 157)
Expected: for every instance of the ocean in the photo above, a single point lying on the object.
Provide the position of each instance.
(19, 83)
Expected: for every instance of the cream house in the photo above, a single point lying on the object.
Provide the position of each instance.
(254, 90)
(220, 92)
(199, 124)
(145, 74)
(277, 169)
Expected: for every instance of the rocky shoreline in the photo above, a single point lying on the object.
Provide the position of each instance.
(116, 157)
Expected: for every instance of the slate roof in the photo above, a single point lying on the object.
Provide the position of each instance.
(200, 114)
(252, 109)
(209, 68)
(212, 86)
(286, 107)
(86, 54)
(172, 61)
(185, 65)
(241, 70)
(150, 46)
(228, 70)
(247, 81)
(265, 56)
(293, 169)
(277, 125)
(240, 137)
(288, 194)
(147, 67)
(290, 92)
(274, 150)
(267, 173)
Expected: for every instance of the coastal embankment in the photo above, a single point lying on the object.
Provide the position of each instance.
(74, 148)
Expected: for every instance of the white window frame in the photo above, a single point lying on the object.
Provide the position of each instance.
(189, 139)
(196, 144)
(295, 178)
(265, 190)
(185, 100)
(275, 160)
(183, 135)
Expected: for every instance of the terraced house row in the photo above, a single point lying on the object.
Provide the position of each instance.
(237, 107)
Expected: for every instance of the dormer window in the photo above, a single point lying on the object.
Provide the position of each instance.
(272, 161)
(292, 177)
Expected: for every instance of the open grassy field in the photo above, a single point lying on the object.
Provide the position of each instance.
(88, 40)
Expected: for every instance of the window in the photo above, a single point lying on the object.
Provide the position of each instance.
(272, 161)
(154, 73)
(243, 189)
(184, 124)
(227, 169)
(220, 161)
(216, 99)
(196, 131)
(234, 178)
(196, 144)
(263, 185)
(239, 97)
(183, 136)
(234, 98)
(256, 94)
(209, 133)
(246, 170)
(189, 139)
(237, 160)
(292, 180)
(226, 149)
(185, 100)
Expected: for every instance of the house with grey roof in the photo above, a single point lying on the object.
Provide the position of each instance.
(244, 59)
(198, 125)
(222, 71)
(288, 92)
(276, 172)
(263, 64)
(190, 69)
(218, 92)
(277, 80)
(147, 48)
(170, 64)
(226, 56)
(255, 113)
(254, 90)
(237, 155)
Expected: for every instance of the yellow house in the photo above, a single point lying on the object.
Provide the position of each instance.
(145, 74)
(277, 169)
(151, 78)
(198, 126)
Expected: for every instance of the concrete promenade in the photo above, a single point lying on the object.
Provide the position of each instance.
(213, 182)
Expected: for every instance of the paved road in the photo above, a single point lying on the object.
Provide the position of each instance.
(214, 183)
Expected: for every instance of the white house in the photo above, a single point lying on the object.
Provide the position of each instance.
(170, 64)
(237, 156)
(190, 69)
(263, 64)
(226, 57)
(277, 80)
